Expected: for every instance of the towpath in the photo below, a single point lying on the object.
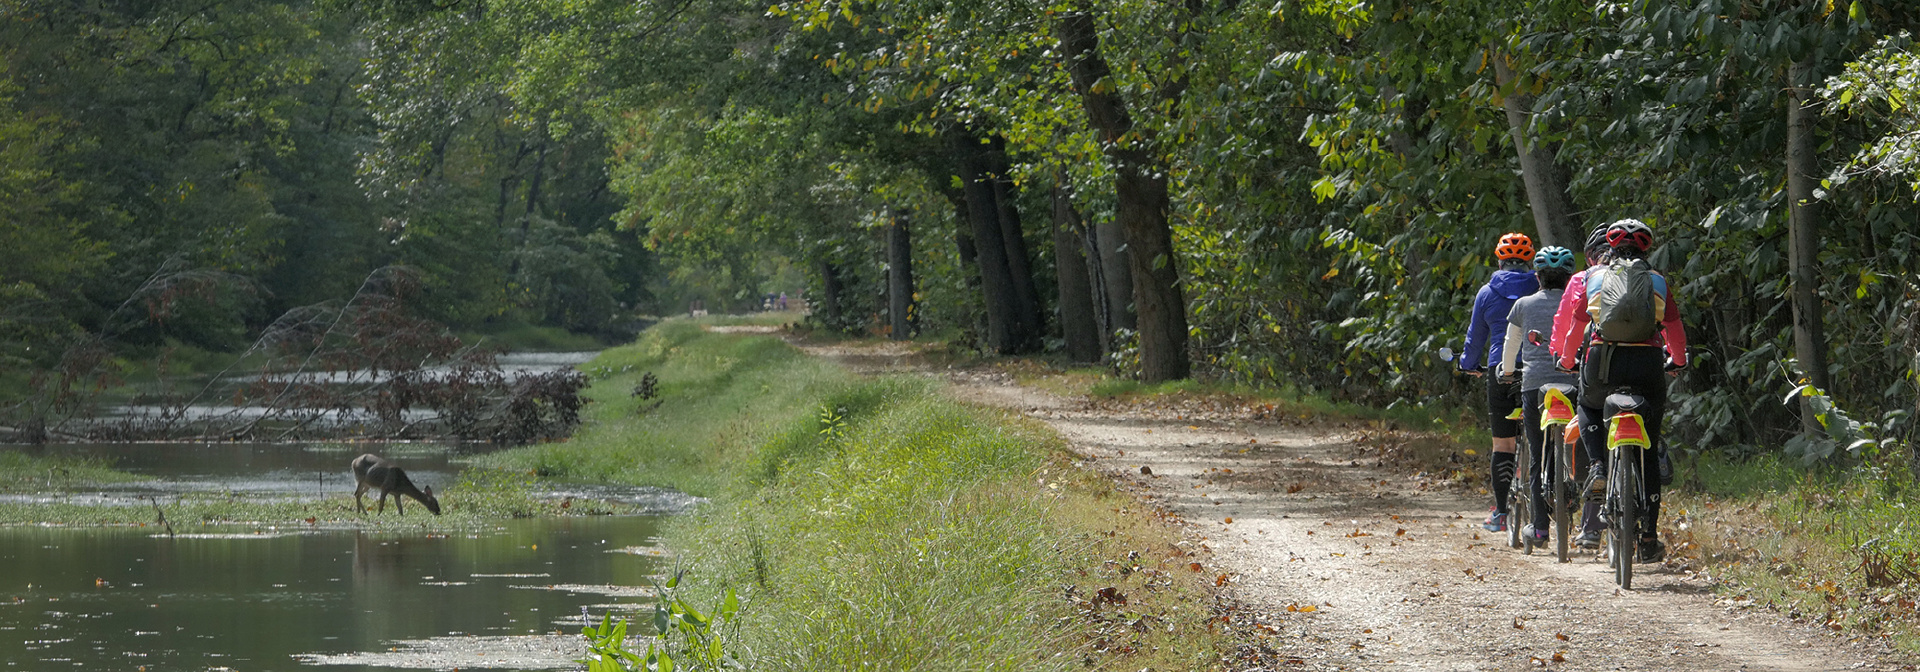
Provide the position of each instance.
(1364, 567)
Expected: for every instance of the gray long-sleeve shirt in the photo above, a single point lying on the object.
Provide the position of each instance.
(1534, 313)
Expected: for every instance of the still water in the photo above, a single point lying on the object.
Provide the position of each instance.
(120, 599)
(254, 598)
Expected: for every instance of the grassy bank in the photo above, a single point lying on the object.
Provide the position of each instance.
(1835, 547)
(874, 524)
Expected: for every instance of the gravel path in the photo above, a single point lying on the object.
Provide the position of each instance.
(1364, 568)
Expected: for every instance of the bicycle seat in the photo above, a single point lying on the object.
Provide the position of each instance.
(1563, 389)
(1624, 402)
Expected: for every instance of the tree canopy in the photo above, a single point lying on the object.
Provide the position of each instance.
(1295, 194)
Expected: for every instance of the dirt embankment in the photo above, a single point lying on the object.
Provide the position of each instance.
(1367, 568)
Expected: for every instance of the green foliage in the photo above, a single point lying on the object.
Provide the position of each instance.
(1883, 84)
(688, 639)
(1856, 439)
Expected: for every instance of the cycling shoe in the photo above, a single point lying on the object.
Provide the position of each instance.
(1651, 550)
(1496, 522)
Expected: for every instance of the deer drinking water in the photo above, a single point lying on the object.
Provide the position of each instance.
(379, 473)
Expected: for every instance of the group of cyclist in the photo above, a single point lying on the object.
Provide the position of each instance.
(1542, 292)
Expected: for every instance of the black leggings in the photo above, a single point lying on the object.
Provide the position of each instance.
(1643, 369)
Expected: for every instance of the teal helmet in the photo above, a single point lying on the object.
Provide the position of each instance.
(1553, 256)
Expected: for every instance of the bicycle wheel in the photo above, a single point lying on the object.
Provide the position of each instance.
(1518, 496)
(1626, 525)
(1561, 491)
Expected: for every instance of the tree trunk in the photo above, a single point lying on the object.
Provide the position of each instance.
(900, 278)
(1005, 333)
(533, 186)
(1116, 276)
(1140, 187)
(1077, 324)
(1013, 235)
(963, 241)
(830, 290)
(1803, 235)
(1546, 180)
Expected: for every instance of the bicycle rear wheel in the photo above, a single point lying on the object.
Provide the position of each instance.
(1561, 491)
(1520, 500)
(1626, 532)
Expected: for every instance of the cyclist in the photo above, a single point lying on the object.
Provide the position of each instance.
(1533, 365)
(1597, 251)
(1513, 280)
(1636, 364)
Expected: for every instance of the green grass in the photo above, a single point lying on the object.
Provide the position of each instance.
(720, 395)
(875, 524)
(20, 472)
(1838, 548)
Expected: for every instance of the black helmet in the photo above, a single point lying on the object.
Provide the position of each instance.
(1598, 239)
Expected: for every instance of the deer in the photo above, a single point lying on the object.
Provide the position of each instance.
(379, 473)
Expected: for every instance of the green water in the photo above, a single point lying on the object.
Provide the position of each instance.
(119, 599)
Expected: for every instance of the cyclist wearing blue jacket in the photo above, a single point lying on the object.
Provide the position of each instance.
(1485, 337)
(1533, 365)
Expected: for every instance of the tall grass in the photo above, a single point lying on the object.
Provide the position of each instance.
(1838, 547)
(719, 397)
(875, 524)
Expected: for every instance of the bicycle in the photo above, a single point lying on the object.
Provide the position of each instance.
(1556, 414)
(1626, 486)
(1558, 430)
(1520, 500)
(1626, 502)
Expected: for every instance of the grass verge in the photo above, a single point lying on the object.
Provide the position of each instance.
(1837, 548)
(874, 524)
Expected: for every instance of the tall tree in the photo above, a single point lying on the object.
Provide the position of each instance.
(1140, 184)
(1804, 217)
(1548, 182)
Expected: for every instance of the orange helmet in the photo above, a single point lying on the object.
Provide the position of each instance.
(1514, 246)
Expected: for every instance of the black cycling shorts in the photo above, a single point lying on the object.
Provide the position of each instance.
(1502, 399)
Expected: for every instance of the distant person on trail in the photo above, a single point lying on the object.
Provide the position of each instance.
(1612, 363)
(1513, 280)
(1532, 365)
(783, 300)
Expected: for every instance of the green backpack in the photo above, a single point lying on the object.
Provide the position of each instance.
(1624, 298)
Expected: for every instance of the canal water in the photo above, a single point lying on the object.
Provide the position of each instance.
(252, 598)
(509, 598)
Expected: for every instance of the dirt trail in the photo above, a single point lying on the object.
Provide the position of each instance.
(1363, 569)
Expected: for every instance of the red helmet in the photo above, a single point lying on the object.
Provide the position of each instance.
(1630, 233)
(1514, 246)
